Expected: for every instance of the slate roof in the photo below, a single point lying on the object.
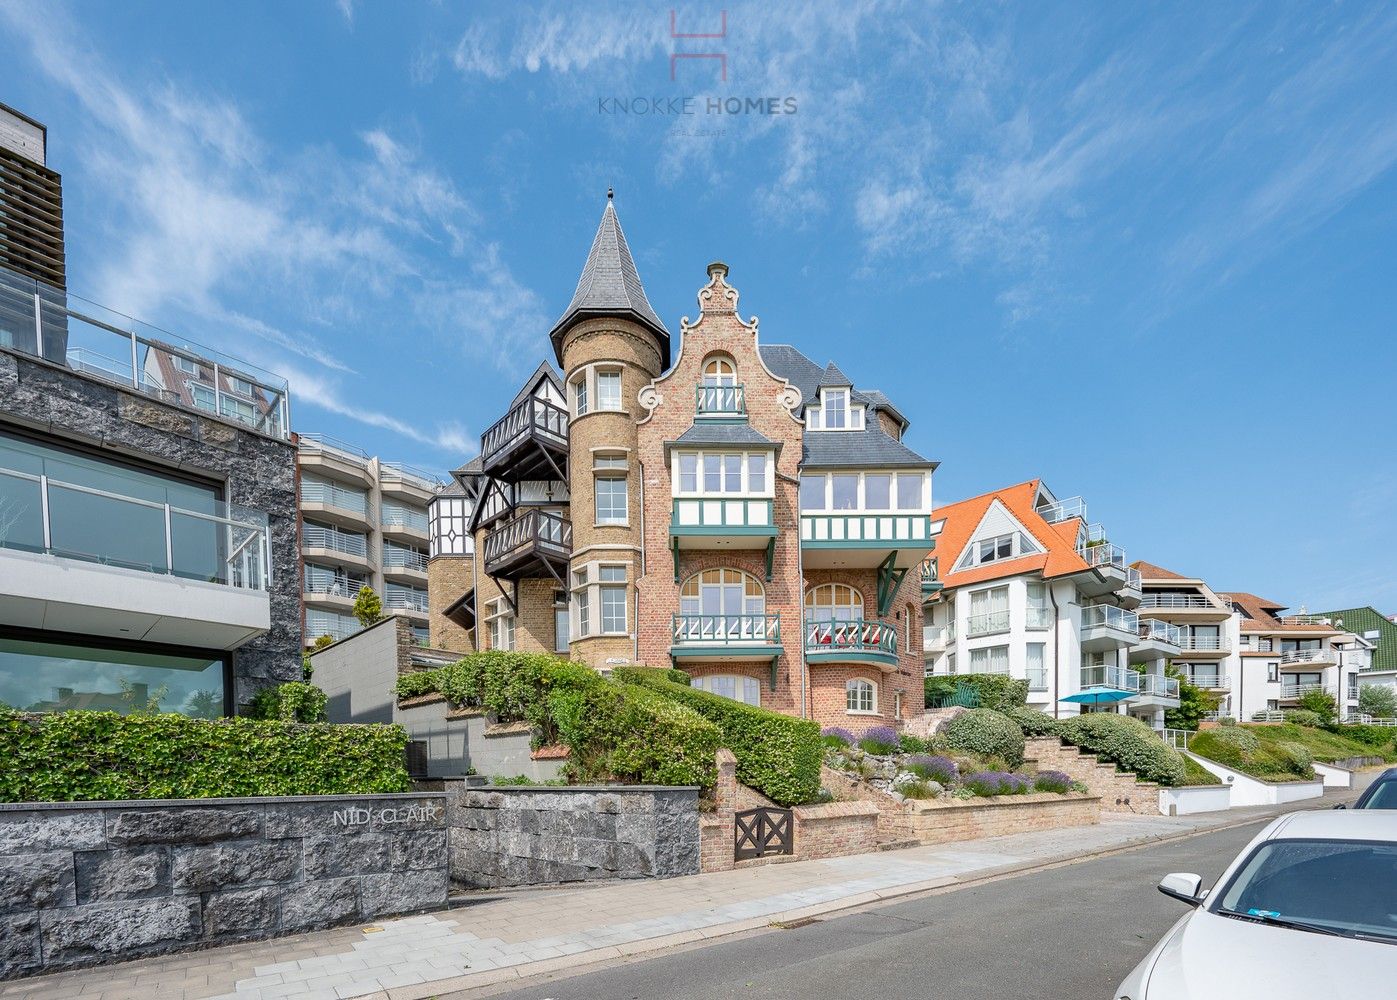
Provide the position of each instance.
(610, 286)
(544, 370)
(707, 432)
(834, 377)
(794, 367)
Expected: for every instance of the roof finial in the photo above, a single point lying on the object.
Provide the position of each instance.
(609, 193)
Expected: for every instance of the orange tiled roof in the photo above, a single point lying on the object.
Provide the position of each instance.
(1059, 540)
(1259, 615)
(1149, 571)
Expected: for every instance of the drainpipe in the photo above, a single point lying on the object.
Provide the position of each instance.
(635, 642)
(800, 605)
(1057, 672)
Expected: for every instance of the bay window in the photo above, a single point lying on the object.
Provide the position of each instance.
(721, 473)
(600, 586)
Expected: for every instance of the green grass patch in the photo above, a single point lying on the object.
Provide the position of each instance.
(1196, 774)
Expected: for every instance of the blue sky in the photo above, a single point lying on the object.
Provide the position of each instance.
(1145, 252)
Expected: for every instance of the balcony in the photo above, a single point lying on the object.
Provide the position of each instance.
(726, 639)
(1156, 639)
(340, 505)
(1103, 684)
(722, 523)
(937, 638)
(1318, 621)
(1157, 689)
(1107, 627)
(855, 641)
(1309, 659)
(988, 623)
(342, 548)
(326, 588)
(720, 402)
(1210, 681)
(329, 623)
(1064, 509)
(533, 543)
(408, 482)
(1110, 574)
(1292, 692)
(1186, 607)
(864, 540)
(529, 442)
(1038, 618)
(78, 559)
(1131, 594)
(403, 523)
(103, 344)
(931, 577)
(404, 599)
(407, 563)
(333, 457)
(1204, 647)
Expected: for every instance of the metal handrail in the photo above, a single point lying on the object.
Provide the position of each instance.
(1100, 554)
(399, 472)
(313, 536)
(987, 623)
(533, 415)
(396, 557)
(1063, 509)
(1153, 628)
(1176, 601)
(1110, 616)
(316, 491)
(319, 580)
(1211, 681)
(244, 545)
(1176, 738)
(1132, 578)
(320, 623)
(1296, 690)
(726, 630)
(719, 400)
(533, 527)
(393, 516)
(1305, 620)
(1164, 687)
(854, 635)
(403, 599)
(1307, 656)
(1206, 643)
(324, 442)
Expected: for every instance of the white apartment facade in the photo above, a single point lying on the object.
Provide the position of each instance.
(1030, 588)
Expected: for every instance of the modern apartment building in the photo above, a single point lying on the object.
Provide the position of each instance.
(736, 510)
(1029, 587)
(363, 524)
(1244, 649)
(147, 500)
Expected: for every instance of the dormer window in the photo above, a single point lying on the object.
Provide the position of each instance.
(996, 549)
(836, 409)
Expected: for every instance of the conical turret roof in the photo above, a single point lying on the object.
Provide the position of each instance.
(610, 286)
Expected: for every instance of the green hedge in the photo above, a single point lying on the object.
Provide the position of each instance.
(997, 691)
(294, 701)
(776, 754)
(1128, 743)
(1378, 737)
(986, 732)
(1032, 721)
(621, 732)
(85, 756)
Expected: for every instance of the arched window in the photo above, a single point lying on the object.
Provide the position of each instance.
(833, 602)
(719, 369)
(747, 690)
(861, 696)
(722, 604)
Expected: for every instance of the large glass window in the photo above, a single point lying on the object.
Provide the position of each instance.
(747, 690)
(38, 675)
(994, 660)
(909, 490)
(812, 492)
(611, 500)
(613, 598)
(877, 492)
(719, 370)
(756, 473)
(846, 492)
(560, 621)
(833, 602)
(688, 473)
(836, 409)
(608, 390)
(722, 592)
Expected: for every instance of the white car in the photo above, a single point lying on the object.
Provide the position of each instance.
(1308, 909)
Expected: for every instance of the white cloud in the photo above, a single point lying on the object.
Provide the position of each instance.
(450, 436)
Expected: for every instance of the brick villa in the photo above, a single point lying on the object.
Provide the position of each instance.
(733, 509)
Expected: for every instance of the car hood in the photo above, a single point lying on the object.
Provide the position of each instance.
(1209, 956)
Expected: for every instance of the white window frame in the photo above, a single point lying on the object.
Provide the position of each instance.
(590, 584)
(500, 621)
(854, 690)
(607, 404)
(210, 398)
(562, 616)
(613, 519)
(580, 399)
(1019, 545)
(611, 582)
(855, 413)
(717, 376)
(861, 492)
(746, 458)
(749, 688)
(239, 386)
(186, 365)
(982, 659)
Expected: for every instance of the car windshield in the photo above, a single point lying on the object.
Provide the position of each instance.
(1343, 886)
(1383, 796)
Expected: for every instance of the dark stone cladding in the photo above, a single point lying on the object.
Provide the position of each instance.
(83, 883)
(258, 472)
(514, 836)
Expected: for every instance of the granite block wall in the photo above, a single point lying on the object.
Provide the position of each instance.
(535, 835)
(85, 883)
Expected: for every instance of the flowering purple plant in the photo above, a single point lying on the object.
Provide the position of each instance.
(879, 740)
(987, 783)
(937, 768)
(837, 734)
(1052, 781)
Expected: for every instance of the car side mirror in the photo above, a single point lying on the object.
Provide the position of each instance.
(1341, 806)
(1183, 886)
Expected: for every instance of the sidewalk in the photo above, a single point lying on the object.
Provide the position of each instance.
(495, 937)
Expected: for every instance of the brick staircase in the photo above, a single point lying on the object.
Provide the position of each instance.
(1120, 792)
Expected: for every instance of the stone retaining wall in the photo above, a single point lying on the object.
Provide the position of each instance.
(89, 882)
(528, 835)
(1119, 791)
(941, 821)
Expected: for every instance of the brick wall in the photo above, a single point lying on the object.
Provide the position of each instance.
(1119, 791)
(835, 829)
(448, 578)
(716, 828)
(85, 883)
(941, 822)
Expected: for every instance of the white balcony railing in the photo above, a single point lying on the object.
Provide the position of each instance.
(313, 536)
(1297, 690)
(1132, 578)
(1211, 682)
(394, 516)
(396, 557)
(338, 627)
(1159, 685)
(397, 598)
(1305, 620)
(397, 472)
(989, 623)
(1110, 676)
(313, 443)
(322, 581)
(1063, 509)
(1205, 643)
(938, 636)
(1178, 602)
(224, 543)
(333, 495)
(1104, 555)
(1307, 656)
(1176, 738)
(1152, 629)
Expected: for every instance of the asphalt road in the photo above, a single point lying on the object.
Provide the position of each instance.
(1070, 933)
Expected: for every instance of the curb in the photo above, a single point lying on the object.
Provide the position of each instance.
(589, 961)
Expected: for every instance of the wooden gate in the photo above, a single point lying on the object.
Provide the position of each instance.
(760, 832)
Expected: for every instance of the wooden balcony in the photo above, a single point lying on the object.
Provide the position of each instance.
(534, 543)
(529, 442)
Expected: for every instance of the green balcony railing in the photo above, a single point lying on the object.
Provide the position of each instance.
(856, 636)
(720, 401)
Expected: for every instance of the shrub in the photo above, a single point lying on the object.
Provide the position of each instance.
(1378, 737)
(294, 701)
(1302, 717)
(941, 769)
(989, 783)
(621, 732)
(918, 789)
(836, 736)
(907, 743)
(84, 756)
(1322, 703)
(776, 754)
(1297, 757)
(324, 640)
(417, 682)
(1377, 700)
(1032, 721)
(879, 740)
(368, 606)
(1128, 743)
(984, 731)
(1227, 720)
(996, 691)
(1052, 781)
(1243, 739)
